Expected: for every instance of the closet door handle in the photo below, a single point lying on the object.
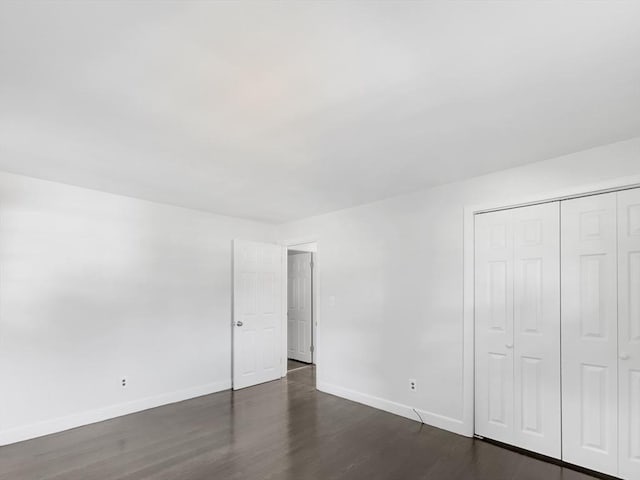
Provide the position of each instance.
(509, 345)
(624, 356)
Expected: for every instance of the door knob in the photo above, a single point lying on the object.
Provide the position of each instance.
(509, 345)
(239, 323)
(624, 356)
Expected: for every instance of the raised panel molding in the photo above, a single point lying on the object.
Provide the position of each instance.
(634, 296)
(248, 300)
(591, 284)
(270, 356)
(591, 225)
(531, 301)
(531, 395)
(634, 415)
(250, 258)
(302, 289)
(532, 232)
(633, 219)
(593, 401)
(498, 236)
(268, 293)
(498, 295)
(249, 344)
(496, 388)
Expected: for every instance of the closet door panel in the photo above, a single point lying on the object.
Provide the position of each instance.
(494, 325)
(629, 332)
(536, 328)
(589, 333)
(518, 327)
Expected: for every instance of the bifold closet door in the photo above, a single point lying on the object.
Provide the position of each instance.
(494, 325)
(629, 332)
(537, 329)
(590, 333)
(518, 327)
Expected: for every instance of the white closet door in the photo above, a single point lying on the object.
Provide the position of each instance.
(589, 333)
(299, 308)
(518, 327)
(629, 332)
(494, 325)
(537, 403)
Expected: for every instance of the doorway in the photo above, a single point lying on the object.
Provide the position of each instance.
(301, 306)
(260, 326)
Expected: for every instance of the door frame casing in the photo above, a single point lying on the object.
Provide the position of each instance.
(470, 211)
(315, 295)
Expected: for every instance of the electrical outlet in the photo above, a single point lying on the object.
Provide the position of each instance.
(123, 382)
(413, 385)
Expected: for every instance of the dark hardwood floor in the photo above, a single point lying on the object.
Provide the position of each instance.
(295, 364)
(283, 430)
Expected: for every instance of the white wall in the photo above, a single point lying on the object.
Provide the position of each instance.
(94, 287)
(395, 270)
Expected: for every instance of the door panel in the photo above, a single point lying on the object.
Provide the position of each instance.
(498, 381)
(531, 393)
(518, 327)
(299, 312)
(589, 333)
(629, 332)
(593, 407)
(257, 312)
(537, 328)
(494, 325)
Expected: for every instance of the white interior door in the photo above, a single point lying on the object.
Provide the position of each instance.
(536, 329)
(518, 327)
(629, 332)
(494, 325)
(589, 333)
(257, 313)
(299, 312)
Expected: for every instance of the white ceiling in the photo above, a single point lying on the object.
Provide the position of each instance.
(277, 111)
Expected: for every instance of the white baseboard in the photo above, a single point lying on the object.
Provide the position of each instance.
(433, 419)
(56, 425)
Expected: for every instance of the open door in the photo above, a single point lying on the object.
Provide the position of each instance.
(299, 312)
(257, 313)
